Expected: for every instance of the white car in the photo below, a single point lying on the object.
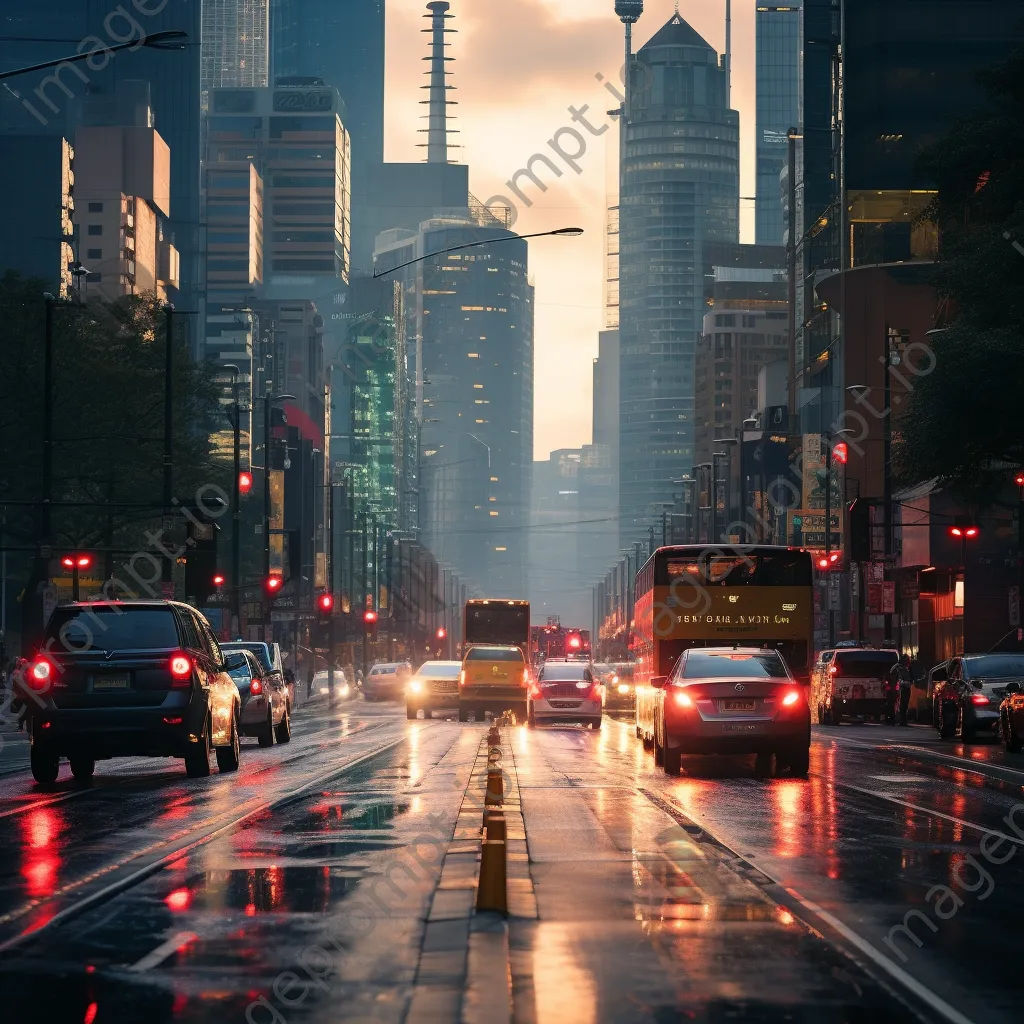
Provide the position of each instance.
(342, 688)
(565, 691)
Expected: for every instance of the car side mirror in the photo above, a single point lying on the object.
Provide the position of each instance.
(1012, 688)
(659, 682)
(233, 661)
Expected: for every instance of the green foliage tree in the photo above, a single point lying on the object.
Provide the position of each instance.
(963, 424)
(108, 411)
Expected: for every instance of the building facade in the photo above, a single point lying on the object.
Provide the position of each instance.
(235, 44)
(679, 191)
(778, 109)
(342, 44)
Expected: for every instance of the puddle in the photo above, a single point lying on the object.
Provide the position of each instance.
(329, 816)
(298, 890)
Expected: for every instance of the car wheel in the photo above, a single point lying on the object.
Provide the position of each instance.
(266, 734)
(764, 768)
(410, 712)
(45, 765)
(798, 761)
(197, 760)
(673, 760)
(82, 768)
(595, 723)
(463, 714)
(283, 732)
(659, 750)
(1011, 741)
(229, 756)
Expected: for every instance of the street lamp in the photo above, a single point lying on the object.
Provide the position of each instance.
(564, 232)
(170, 39)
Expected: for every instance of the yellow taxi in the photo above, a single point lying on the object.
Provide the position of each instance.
(494, 678)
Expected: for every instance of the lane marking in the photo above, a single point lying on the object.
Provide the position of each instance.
(163, 951)
(139, 875)
(917, 807)
(934, 1002)
(903, 778)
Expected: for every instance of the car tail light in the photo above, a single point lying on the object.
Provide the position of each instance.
(526, 675)
(168, 720)
(462, 678)
(684, 700)
(534, 691)
(256, 687)
(832, 670)
(181, 670)
(40, 674)
(790, 699)
(979, 698)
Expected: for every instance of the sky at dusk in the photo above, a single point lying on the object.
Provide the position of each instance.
(519, 65)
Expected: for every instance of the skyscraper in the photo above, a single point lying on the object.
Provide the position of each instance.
(679, 191)
(342, 43)
(236, 44)
(778, 110)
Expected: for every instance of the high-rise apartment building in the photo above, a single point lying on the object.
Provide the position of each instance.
(341, 43)
(679, 191)
(778, 109)
(51, 102)
(123, 192)
(235, 44)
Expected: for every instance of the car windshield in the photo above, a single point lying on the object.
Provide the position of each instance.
(994, 666)
(112, 628)
(260, 650)
(495, 654)
(567, 673)
(440, 670)
(733, 665)
(241, 674)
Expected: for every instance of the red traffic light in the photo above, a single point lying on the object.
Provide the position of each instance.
(325, 602)
(1019, 479)
(369, 616)
(274, 583)
(829, 561)
(963, 531)
(244, 482)
(76, 561)
(441, 632)
(841, 453)
(219, 580)
(575, 642)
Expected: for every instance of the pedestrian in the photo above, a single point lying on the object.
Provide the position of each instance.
(901, 682)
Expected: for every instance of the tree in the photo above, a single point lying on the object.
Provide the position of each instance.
(108, 411)
(963, 423)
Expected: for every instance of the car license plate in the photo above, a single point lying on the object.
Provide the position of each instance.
(738, 705)
(110, 682)
(742, 728)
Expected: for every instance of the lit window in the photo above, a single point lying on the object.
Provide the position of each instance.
(493, 512)
(479, 386)
(492, 499)
(480, 421)
(494, 479)
(501, 549)
(474, 355)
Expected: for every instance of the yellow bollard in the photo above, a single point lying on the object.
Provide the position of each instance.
(491, 893)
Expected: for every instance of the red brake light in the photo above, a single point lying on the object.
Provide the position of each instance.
(832, 670)
(790, 699)
(181, 669)
(39, 674)
(683, 700)
(979, 698)
(256, 688)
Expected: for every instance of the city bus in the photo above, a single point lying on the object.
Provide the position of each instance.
(700, 596)
(498, 622)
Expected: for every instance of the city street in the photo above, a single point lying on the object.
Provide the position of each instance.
(334, 879)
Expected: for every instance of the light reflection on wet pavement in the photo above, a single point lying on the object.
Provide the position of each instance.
(658, 899)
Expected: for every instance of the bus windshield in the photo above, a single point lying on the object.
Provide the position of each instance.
(498, 622)
(764, 569)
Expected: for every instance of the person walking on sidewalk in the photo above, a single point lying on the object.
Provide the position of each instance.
(901, 682)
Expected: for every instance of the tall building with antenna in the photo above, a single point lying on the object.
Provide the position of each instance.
(437, 130)
(679, 192)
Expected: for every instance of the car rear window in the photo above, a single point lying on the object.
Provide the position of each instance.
(998, 666)
(260, 650)
(705, 665)
(495, 654)
(568, 673)
(865, 664)
(241, 674)
(112, 628)
(383, 670)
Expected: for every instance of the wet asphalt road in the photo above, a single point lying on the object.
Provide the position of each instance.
(711, 897)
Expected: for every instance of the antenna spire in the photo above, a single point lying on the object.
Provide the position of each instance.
(438, 131)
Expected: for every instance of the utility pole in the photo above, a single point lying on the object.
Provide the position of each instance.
(332, 590)
(887, 467)
(828, 537)
(47, 421)
(236, 509)
(167, 571)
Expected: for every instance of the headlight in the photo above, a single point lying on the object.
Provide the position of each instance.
(615, 679)
(415, 686)
(344, 690)
(583, 686)
(623, 688)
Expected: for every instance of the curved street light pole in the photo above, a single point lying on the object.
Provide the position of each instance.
(156, 41)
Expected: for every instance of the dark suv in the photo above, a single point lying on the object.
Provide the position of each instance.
(122, 679)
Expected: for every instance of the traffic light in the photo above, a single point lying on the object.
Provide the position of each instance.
(272, 585)
(370, 621)
(575, 643)
(841, 453)
(965, 531)
(244, 482)
(442, 633)
(219, 580)
(833, 560)
(77, 562)
(325, 605)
